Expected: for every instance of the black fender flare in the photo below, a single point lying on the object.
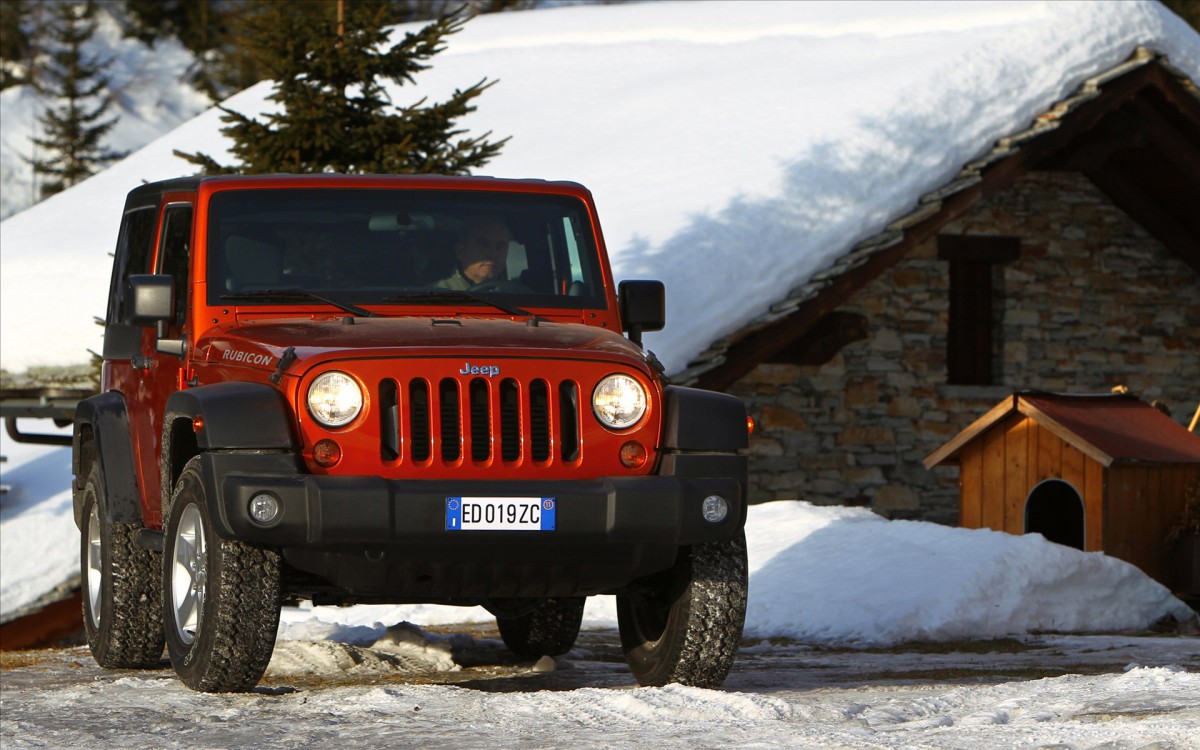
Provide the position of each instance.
(106, 418)
(699, 421)
(233, 416)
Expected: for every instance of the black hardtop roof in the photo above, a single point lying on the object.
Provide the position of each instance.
(150, 193)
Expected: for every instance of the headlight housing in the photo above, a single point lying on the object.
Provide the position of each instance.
(619, 401)
(335, 399)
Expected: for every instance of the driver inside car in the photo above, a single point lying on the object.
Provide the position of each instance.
(482, 254)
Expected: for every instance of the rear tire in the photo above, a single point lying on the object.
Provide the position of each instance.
(121, 591)
(685, 624)
(550, 629)
(221, 598)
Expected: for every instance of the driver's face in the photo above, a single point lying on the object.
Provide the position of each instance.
(483, 251)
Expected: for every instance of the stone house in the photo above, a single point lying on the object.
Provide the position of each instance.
(1066, 259)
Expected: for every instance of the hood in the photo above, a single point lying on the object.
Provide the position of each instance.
(261, 343)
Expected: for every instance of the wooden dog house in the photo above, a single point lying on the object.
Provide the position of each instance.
(1099, 473)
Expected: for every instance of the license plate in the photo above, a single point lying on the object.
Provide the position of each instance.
(500, 513)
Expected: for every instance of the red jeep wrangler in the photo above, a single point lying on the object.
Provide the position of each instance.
(395, 389)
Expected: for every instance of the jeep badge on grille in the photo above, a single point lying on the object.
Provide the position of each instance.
(470, 369)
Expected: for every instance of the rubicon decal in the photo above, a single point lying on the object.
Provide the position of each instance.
(470, 369)
(232, 355)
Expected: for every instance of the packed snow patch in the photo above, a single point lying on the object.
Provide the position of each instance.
(403, 648)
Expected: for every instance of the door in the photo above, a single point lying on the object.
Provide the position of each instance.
(157, 374)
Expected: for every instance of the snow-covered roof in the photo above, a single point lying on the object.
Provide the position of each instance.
(1168, 197)
(735, 150)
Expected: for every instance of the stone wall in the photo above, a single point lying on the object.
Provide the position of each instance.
(1092, 302)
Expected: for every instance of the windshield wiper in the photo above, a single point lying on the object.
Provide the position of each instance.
(293, 293)
(455, 295)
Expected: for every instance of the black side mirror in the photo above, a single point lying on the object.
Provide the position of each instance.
(150, 299)
(643, 307)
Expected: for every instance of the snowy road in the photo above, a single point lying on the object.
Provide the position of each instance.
(1057, 691)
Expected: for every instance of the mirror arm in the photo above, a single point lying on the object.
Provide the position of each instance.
(635, 334)
(178, 347)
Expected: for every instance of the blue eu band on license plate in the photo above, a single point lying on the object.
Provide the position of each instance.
(500, 513)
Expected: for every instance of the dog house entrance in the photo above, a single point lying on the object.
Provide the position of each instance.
(1055, 510)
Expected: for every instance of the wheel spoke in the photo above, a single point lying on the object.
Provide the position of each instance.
(95, 571)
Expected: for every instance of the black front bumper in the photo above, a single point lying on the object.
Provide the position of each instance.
(386, 538)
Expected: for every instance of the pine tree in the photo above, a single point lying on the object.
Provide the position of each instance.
(15, 45)
(329, 74)
(73, 130)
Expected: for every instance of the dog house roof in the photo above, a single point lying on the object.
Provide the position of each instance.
(1107, 428)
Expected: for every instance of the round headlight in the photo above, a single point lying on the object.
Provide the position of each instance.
(619, 401)
(334, 399)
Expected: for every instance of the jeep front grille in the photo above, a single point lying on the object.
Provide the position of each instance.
(480, 420)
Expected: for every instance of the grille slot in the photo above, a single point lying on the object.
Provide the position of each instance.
(510, 420)
(481, 423)
(389, 420)
(451, 436)
(568, 420)
(539, 420)
(418, 420)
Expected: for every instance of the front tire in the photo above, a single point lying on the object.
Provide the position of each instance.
(221, 598)
(121, 588)
(549, 629)
(684, 625)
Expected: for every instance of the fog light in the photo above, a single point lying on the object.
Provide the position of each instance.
(714, 509)
(633, 455)
(327, 453)
(264, 508)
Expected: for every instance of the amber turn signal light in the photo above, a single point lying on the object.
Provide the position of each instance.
(327, 453)
(633, 455)
(749, 425)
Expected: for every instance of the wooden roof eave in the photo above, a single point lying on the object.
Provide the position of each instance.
(949, 451)
(732, 357)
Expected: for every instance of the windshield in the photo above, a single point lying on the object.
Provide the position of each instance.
(401, 247)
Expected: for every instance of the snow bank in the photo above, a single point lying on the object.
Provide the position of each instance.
(39, 544)
(846, 575)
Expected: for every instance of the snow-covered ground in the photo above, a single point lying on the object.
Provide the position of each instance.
(734, 148)
(1110, 692)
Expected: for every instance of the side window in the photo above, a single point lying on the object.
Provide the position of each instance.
(134, 247)
(173, 252)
